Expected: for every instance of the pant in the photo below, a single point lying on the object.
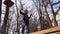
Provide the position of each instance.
(23, 27)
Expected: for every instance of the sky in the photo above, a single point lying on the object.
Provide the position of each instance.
(56, 7)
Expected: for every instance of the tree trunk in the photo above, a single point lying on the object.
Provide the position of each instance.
(40, 13)
(54, 15)
(17, 18)
(48, 18)
(5, 21)
(0, 9)
(0, 14)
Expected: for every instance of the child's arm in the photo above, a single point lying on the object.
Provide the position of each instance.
(21, 12)
(30, 16)
(21, 9)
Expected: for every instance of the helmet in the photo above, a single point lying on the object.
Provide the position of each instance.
(25, 10)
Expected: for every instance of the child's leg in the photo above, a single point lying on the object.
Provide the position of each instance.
(23, 28)
(27, 24)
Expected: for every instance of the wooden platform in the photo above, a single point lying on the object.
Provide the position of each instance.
(49, 31)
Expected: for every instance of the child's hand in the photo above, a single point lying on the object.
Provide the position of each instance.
(30, 15)
(21, 8)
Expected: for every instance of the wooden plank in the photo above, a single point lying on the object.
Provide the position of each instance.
(47, 30)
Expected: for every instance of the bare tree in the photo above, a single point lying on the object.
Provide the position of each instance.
(40, 13)
(0, 13)
(4, 26)
(17, 17)
(48, 18)
(57, 11)
(56, 3)
(54, 15)
(5, 21)
(0, 9)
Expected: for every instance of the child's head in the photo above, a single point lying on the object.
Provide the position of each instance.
(26, 11)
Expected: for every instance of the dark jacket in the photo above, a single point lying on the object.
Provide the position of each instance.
(25, 17)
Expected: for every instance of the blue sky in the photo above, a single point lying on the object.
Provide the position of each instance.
(54, 1)
(56, 7)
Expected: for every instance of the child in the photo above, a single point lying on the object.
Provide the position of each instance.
(25, 18)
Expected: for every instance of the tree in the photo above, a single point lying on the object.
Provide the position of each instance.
(48, 18)
(0, 9)
(5, 21)
(56, 3)
(54, 15)
(8, 4)
(39, 12)
(0, 13)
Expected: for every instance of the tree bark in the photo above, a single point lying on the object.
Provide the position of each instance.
(54, 15)
(0, 14)
(18, 30)
(48, 18)
(5, 21)
(40, 13)
(0, 9)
